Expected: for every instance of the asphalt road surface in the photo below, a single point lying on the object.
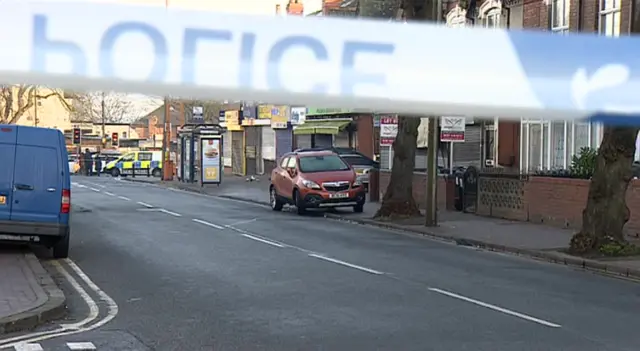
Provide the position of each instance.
(191, 272)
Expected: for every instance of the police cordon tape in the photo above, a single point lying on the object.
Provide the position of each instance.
(369, 65)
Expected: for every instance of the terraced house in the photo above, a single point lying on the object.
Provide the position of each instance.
(534, 144)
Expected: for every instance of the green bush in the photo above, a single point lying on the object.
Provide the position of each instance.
(584, 164)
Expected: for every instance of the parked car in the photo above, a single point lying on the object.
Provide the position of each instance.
(315, 179)
(360, 163)
(35, 187)
(74, 164)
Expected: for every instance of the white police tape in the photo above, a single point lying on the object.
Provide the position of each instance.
(368, 65)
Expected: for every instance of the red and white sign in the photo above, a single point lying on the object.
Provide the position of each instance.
(388, 129)
(452, 129)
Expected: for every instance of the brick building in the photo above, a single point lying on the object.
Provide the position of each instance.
(530, 145)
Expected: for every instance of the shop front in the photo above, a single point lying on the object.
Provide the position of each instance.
(282, 133)
(233, 122)
(253, 126)
(325, 127)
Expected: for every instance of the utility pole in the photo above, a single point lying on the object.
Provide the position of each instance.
(165, 135)
(35, 106)
(104, 120)
(431, 213)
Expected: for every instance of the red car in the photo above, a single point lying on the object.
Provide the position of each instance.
(315, 179)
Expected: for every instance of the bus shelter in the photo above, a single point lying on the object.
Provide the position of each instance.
(200, 152)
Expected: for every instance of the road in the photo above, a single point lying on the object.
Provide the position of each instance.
(192, 272)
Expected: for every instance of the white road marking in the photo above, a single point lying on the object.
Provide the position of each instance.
(346, 264)
(94, 189)
(207, 223)
(170, 213)
(124, 198)
(241, 222)
(94, 310)
(495, 308)
(110, 194)
(145, 204)
(249, 236)
(28, 347)
(112, 312)
(81, 346)
(96, 184)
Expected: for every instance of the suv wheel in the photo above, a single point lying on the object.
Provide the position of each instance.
(115, 172)
(299, 202)
(274, 201)
(359, 208)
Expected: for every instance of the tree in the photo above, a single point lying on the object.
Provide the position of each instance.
(211, 110)
(118, 108)
(398, 198)
(16, 100)
(606, 212)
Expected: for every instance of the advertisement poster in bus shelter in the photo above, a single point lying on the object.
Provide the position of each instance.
(211, 163)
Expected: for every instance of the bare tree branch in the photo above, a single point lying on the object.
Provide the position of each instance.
(16, 100)
(117, 107)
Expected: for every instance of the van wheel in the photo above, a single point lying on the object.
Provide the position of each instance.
(156, 173)
(115, 172)
(299, 203)
(61, 247)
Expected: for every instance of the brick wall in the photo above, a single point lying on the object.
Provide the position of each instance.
(419, 188)
(556, 202)
(559, 202)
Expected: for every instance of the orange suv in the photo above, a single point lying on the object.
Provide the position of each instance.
(315, 179)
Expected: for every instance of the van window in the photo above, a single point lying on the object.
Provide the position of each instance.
(144, 156)
(128, 157)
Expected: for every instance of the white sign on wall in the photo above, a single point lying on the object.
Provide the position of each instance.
(452, 129)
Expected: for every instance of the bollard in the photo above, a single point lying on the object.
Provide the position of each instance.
(374, 185)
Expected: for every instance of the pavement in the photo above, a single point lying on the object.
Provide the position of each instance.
(536, 241)
(28, 295)
(179, 270)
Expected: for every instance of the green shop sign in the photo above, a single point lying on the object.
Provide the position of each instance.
(319, 111)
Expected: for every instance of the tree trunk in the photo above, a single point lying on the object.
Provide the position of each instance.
(606, 212)
(398, 199)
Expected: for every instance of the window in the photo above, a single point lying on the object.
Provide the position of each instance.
(357, 160)
(124, 135)
(144, 156)
(283, 162)
(560, 16)
(324, 163)
(291, 163)
(492, 18)
(552, 144)
(610, 17)
(128, 157)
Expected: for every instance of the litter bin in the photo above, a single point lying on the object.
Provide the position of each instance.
(455, 191)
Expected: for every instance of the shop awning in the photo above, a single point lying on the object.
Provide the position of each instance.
(321, 127)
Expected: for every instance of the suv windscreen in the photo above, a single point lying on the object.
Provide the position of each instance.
(324, 163)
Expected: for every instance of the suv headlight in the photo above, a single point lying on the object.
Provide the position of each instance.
(309, 184)
(356, 183)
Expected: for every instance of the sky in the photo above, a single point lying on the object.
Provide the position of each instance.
(254, 7)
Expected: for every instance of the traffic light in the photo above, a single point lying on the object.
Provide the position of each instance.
(114, 139)
(76, 136)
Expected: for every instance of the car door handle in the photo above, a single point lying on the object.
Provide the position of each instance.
(23, 187)
(51, 190)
